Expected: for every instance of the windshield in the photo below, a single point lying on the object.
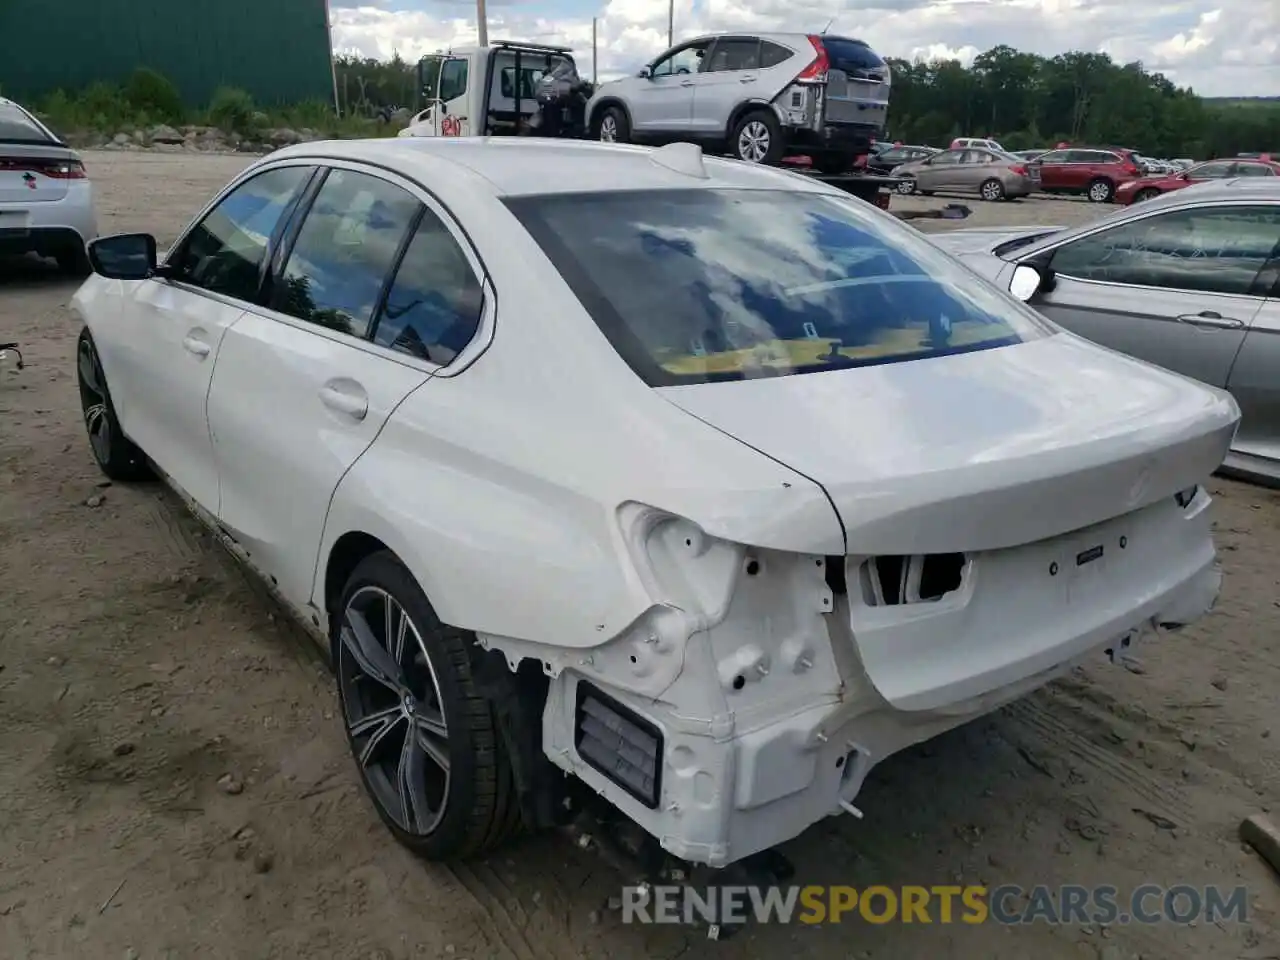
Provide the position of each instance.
(701, 285)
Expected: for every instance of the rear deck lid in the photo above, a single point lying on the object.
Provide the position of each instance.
(34, 166)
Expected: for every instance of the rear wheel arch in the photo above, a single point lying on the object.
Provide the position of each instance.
(742, 109)
(347, 552)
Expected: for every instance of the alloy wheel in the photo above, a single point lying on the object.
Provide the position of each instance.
(907, 186)
(393, 710)
(753, 142)
(1099, 192)
(93, 400)
(990, 190)
(608, 129)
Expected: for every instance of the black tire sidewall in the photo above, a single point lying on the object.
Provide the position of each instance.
(620, 121)
(453, 832)
(124, 461)
(776, 147)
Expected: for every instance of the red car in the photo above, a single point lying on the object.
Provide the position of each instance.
(1135, 191)
(1092, 171)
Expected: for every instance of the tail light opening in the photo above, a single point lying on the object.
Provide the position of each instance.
(53, 169)
(816, 72)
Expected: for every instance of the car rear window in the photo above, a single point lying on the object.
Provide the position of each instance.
(851, 54)
(17, 127)
(705, 285)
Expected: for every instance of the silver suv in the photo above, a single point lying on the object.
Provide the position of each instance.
(758, 97)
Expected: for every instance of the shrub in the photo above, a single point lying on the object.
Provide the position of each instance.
(154, 95)
(232, 109)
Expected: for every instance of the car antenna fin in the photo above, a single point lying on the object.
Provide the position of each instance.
(683, 158)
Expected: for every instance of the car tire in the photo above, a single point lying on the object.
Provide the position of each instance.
(1100, 191)
(433, 699)
(757, 138)
(1146, 194)
(991, 190)
(613, 126)
(907, 186)
(116, 455)
(73, 260)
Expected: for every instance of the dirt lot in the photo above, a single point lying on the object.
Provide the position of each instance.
(139, 668)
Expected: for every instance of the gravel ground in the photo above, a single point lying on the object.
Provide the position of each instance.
(174, 782)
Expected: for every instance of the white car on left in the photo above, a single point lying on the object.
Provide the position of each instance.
(46, 199)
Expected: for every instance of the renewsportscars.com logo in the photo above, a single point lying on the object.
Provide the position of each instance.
(1008, 904)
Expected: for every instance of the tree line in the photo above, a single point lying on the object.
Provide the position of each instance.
(1027, 101)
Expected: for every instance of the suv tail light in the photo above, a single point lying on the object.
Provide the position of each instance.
(1129, 166)
(816, 72)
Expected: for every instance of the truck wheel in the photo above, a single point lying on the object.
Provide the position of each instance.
(426, 744)
(757, 138)
(1101, 191)
(613, 126)
(991, 190)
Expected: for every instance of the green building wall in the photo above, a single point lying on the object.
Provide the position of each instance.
(278, 50)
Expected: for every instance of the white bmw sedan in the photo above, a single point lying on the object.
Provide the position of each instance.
(611, 472)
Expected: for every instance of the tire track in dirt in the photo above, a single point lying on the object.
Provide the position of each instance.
(1065, 731)
(487, 890)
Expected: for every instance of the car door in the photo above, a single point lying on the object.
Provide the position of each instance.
(299, 391)
(1053, 169)
(730, 74)
(974, 167)
(940, 172)
(1255, 378)
(662, 105)
(1177, 288)
(173, 325)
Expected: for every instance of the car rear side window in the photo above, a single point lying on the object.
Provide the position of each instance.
(434, 303)
(344, 252)
(736, 54)
(16, 126)
(689, 288)
(1253, 170)
(224, 252)
(772, 54)
(1212, 250)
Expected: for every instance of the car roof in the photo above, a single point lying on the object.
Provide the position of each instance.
(522, 166)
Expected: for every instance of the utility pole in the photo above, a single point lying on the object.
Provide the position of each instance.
(671, 22)
(594, 72)
(482, 23)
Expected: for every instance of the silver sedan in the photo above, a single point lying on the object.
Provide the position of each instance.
(1189, 281)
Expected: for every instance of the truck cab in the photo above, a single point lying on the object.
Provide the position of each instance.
(482, 91)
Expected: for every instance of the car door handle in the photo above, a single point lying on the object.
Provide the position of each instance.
(686, 83)
(746, 79)
(196, 346)
(1208, 319)
(347, 398)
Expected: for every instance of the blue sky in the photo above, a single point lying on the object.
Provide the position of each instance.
(1220, 49)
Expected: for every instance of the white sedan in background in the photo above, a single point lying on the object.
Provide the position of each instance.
(588, 480)
(46, 200)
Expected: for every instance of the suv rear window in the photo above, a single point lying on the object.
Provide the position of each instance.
(690, 286)
(17, 127)
(849, 55)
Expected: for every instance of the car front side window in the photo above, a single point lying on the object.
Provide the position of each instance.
(344, 251)
(453, 80)
(433, 306)
(685, 60)
(224, 252)
(1204, 249)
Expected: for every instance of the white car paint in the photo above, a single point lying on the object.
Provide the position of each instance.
(46, 198)
(671, 545)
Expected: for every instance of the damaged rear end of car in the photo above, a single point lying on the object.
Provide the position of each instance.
(840, 101)
(1011, 500)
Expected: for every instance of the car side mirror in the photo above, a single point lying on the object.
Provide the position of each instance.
(125, 256)
(1026, 282)
(646, 73)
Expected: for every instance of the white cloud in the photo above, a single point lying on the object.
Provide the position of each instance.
(1219, 49)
